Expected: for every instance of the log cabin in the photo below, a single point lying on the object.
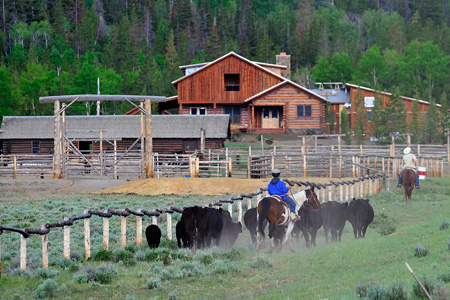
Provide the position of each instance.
(171, 133)
(259, 97)
(343, 98)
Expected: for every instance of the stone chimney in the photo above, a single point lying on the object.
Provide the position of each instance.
(285, 60)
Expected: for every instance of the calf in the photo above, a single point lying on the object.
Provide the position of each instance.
(214, 226)
(182, 236)
(193, 220)
(310, 222)
(334, 217)
(230, 231)
(360, 214)
(153, 235)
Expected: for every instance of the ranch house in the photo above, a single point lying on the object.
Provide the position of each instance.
(343, 98)
(171, 133)
(259, 97)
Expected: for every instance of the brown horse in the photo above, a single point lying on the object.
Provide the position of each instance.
(408, 178)
(272, 210)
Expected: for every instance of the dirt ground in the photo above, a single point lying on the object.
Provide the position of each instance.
(153, 186)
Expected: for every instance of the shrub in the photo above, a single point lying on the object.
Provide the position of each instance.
(170, 244)
(235, 253)
(125, 256)
(420, 251)
(361, 290)
(100, 275)
(444, 225)
(189, 269)
(396, 291)
(204, 256)
(444, 277)
(376, 292)
(172, 295)
(162, 254)
(384, 224)
(102, 255)
(46, 290)
(260, 262)
(131, 249)
(429, 285)
(223, 267)
(45, 273)
(153, 283)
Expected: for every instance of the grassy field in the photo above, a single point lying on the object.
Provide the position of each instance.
(416, 232)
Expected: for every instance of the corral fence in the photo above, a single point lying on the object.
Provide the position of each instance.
(251, 162)
(333, 190)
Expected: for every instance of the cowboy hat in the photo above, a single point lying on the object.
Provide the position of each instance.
(407, 150)
(276, 171)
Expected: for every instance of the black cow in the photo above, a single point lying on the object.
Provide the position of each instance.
(310, 222)
(153, 235)
(230, 231)
(251, 223)
(334, 217)
(214, 226)
(360, 214)
(182, 236)
(193, 219)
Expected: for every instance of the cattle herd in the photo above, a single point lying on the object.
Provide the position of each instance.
(201, 227)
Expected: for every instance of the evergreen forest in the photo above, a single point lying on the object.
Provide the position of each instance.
(135, 47)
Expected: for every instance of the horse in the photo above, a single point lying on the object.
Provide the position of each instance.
(276, 212)
(408, 178)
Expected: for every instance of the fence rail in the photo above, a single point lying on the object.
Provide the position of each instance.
(333, 190)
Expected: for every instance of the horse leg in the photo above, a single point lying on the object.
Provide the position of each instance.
(288, 235)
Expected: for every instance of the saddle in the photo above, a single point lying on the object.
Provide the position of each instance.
(278, 197)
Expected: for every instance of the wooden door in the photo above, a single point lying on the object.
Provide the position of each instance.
(270, 118)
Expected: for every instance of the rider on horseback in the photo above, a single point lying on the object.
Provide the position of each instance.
(278, 187)
(409, 162)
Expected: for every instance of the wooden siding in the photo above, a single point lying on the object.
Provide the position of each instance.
(423, 107)
(289, 97)
(208, 85)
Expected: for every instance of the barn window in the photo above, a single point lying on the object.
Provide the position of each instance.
(235, 113)
(232, 82)
(198, 110)
(369, 116)
(304, 111)
(36, 147)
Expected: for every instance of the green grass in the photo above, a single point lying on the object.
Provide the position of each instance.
(329, 271)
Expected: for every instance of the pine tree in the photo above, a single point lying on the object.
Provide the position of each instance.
(360, 118)
(345, 127)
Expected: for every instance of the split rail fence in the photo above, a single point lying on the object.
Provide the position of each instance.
(333, 190)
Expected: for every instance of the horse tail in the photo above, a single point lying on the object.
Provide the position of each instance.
(265, 206)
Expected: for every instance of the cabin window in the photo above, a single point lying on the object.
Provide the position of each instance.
(369, 116)
(235, 113)
(36, 147)
(403, 104)
(369, 101)
(198, 110)
(232, 82)
(304, 111)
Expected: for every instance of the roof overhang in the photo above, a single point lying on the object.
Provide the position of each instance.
(84, 98)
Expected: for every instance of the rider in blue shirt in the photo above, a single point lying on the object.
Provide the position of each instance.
(278, 187)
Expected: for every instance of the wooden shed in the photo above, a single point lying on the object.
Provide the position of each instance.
(171, 133)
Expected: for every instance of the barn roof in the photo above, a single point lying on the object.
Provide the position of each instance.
(224, 57)
(116, 127)
(334, 95)
(281, 84)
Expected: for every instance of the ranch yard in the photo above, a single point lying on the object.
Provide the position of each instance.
(416, 233)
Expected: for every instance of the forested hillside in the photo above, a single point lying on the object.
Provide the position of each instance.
(56, 47)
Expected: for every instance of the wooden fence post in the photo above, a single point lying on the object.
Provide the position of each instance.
(15, 167)
(230, 209)
(197, 167)
(352, 192)
(304, 166)
(361, 189)
(23, 253)
(138, 228)
(169, 226)
(330, 187)
(106, 232)
(249, 204)
(230, 163)
(154, 220)
(323, 195)
(353, 166)
(340, 167)
(240, 211)
(346, 191)
(66, 239)
(44, 248)
(341, 194)
(331, 167)
(87, 236)
(123, 231)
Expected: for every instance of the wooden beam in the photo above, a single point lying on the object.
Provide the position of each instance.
(148, 141)
(84, 98)
(57, 141)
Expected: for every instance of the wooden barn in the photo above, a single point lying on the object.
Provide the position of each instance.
(171, 133)
(259, 97)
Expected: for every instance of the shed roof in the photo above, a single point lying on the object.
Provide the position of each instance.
(116, 127)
